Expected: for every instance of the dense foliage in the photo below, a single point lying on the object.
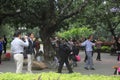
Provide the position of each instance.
(55, 76)
(76, 33)
(106, 49)
(52, 15)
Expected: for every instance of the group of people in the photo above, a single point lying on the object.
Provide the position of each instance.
(67, 50)
(20, 46)
(3, 44)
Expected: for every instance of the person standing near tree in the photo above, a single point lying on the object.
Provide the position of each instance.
(30, 51)
(88, 48)
(4, 43)
(98, 49)
(64, 51)
(17, 48)
(36, 46)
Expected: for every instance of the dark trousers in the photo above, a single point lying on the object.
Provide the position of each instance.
(98, 56)
(118, 58)
(4, 48)
(115, 72)
(0, 56)
(62, 61)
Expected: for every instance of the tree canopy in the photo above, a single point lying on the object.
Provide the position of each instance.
(52, 15)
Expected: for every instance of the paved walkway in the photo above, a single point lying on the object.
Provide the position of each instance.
(103, 67)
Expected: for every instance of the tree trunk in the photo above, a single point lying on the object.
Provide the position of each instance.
(1, 21)
(47, 46)
(113, 33)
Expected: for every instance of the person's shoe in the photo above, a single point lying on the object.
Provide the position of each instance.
(86, 68)
(92, 68)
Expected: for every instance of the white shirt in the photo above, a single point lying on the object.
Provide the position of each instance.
(88, 45)
(17, 45)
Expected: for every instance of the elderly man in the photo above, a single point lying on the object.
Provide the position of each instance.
(17, 48)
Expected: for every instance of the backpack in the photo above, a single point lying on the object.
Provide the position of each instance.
(67, 48)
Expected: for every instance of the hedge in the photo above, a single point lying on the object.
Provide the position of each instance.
(104, 49)
(55, 76)
(76, 33)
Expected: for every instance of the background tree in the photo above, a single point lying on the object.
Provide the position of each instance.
(48, 15)
(52, 15)
(10, 8)
(76, 33)
(106, 15)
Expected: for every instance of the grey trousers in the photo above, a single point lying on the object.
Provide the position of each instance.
(89, 62)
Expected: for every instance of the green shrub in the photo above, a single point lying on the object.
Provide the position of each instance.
(76, 33)
(55, 76)
(105, 48)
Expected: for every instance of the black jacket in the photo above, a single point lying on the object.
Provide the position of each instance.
(64, 51)
(30, 48)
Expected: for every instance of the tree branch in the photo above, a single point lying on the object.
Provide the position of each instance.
(59, 19)
(52, 8)
(10, 14)
(4, 15)
(115, 26)
(75, 12)
(65, 7)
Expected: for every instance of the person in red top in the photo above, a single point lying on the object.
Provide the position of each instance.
(37, 46)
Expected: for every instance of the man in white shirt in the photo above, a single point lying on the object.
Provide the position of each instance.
(17, 48)
(88, 47)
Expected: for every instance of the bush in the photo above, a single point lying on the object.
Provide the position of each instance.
(105, 48)
(76, 33)
(55, 76)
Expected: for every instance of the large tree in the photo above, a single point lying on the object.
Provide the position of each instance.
(105, 14)
(10, 8)
(48, 15)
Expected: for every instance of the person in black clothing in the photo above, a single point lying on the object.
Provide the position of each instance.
(98, 49)
(64, 52)
(75, 51)
(30, 51)
(4, 43)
